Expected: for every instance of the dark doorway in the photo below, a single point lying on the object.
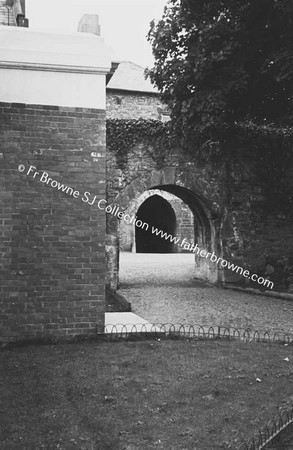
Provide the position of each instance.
(157, 213)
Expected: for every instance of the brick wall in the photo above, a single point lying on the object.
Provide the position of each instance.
(52, 243)
(7, 16)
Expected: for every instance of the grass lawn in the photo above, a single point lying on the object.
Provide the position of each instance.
(142, 395)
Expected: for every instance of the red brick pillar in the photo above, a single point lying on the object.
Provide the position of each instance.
(52, 176)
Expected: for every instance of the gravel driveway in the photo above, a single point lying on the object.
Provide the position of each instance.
(161, 289)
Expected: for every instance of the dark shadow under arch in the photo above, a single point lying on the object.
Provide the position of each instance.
(157, 213)
(203, 231)
(207, 219)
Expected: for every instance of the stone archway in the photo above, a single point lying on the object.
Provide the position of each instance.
(207, 221)
(159, 214)
(184, 220)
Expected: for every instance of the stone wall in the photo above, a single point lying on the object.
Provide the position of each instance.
(133, 105)
(199, 188)
(233, 212)
(237, 205)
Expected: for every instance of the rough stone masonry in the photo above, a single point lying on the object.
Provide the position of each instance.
(240, 207)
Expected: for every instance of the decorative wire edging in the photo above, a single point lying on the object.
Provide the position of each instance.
(195, 331)
(280, 423)
(266, 435)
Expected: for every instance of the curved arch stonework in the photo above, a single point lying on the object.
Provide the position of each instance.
(184, 218)
(233, 204)
(169, 176)
(204, 206)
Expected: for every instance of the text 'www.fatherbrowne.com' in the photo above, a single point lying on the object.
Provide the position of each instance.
(194, 248)
(114, 210)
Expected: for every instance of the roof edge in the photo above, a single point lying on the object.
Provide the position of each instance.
(135, 91)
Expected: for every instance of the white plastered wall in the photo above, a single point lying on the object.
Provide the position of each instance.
(53, 69)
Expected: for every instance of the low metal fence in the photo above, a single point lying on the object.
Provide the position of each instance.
(205, 332)
(263, 440)
(194, 331)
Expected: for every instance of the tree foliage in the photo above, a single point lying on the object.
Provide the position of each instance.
(221, 64)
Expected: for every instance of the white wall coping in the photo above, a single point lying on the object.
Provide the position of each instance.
(29, 49)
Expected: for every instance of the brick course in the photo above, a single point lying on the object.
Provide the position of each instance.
(7, 16)
(52, 244)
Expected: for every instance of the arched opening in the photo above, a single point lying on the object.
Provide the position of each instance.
(158, 214)
(197, 228)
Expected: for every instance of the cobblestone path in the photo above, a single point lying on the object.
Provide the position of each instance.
(161, 289)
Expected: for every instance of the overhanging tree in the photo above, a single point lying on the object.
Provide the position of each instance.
(224, 66)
